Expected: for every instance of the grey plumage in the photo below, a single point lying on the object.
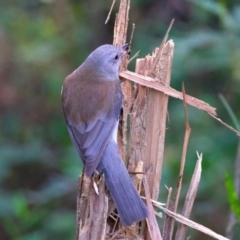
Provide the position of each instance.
(92, 100)
(129, 205)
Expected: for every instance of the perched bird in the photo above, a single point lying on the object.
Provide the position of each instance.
(92, 100)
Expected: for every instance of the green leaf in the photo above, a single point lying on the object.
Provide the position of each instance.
(232, 195)
(230, 112)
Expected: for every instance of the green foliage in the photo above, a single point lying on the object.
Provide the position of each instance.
(233, 200)
(23, 216)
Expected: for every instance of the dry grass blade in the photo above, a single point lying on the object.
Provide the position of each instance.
(110, 11)
(192, 224)
(183, 160)
(156, 60)
(167, 219)
(226, 125)
(151, 220)
(133, 28)
(151, 83)
(187, 208)
(186, 221)
(185, 144)
(134, 56)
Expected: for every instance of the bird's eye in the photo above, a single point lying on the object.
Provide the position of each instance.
(116, 57)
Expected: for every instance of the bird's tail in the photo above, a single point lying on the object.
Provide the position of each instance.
(129, 205)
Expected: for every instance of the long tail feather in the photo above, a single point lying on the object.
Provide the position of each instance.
(129, 205)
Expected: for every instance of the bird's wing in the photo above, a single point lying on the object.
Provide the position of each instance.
(91, 138)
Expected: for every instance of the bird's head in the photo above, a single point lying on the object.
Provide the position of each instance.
(106, 59)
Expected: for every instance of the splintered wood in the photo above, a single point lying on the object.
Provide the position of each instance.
(190, 198)
(152, 83)
(92, 209)
(148, 117)
(141, 138)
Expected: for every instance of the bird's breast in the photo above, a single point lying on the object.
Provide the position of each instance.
(85, 101)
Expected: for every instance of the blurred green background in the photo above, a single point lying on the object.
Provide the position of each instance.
(42, 41)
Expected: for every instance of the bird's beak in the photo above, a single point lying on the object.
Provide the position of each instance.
(125, 49)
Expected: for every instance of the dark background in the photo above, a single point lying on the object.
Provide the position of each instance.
(41, 42)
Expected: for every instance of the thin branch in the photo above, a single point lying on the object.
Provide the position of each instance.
(183, 160)
(185, 144)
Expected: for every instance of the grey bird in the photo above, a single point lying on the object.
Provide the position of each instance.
(92, 100)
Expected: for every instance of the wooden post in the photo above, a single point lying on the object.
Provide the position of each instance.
(141, 140)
